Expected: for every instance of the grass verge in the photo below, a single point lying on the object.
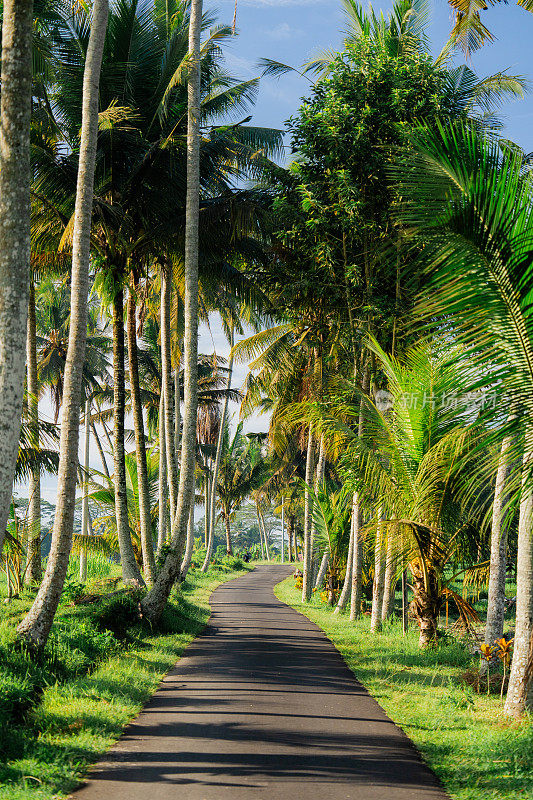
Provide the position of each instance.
(462, 735)
(83, 706)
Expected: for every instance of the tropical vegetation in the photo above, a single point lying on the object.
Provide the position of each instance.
(377, 284)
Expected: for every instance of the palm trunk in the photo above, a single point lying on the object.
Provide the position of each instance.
(498, 550)
(282, 530)
(405, 603)
(172, 473)
(377, 589)
(14, 233)
(294, 537)
(145, 518)
(36, 625)
(263, 555)
(187, 557)
(389, 587)
(321, 574)
(319, 479)
(229, 549)
(154, 603)
(100, 451)
(206, 504)
(162, 488)
(33, 570)
(347, 585)
(177, 412)
(357, 563)
(520, 694)
(85, 493)
(425, 603)
(216, 466)
(265, 537)
(130, 569)
(308, 512)
(289, 538)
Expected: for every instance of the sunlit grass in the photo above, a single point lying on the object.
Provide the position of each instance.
(463, 735)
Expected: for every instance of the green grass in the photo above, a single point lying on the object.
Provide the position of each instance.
(63, 713)
(463, 735)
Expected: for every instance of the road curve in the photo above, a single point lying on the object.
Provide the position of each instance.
(261, 707)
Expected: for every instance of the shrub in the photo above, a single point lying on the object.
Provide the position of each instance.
(118, 612)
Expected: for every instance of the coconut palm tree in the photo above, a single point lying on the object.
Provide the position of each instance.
(15, 111)
(470, 203)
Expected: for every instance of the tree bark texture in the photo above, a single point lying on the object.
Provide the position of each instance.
(145, 519)
(35, 627)
(15, 111)
(85, 493)
(357, 560)
(162, 487)
(166, 372)
(308, 514)
(189, 547)
(498, 549)
(130, 569)
(33, 571)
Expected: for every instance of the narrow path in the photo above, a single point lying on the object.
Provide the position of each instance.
(261, 707)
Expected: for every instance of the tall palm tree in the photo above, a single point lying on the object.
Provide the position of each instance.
(15, 111)
(470, 204)
(36, 626)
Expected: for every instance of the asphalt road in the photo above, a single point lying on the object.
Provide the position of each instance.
(261, 707)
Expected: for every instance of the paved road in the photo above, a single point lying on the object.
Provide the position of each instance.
(261, 707)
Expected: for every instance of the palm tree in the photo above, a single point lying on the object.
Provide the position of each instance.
(241, 471)
(476, 218)
(15, 111)
(36, 626)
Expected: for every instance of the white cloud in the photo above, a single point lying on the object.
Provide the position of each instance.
(283, 31)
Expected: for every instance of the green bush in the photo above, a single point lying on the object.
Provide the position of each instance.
(233, 562)
(119, 612)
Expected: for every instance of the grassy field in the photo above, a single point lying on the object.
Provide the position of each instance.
(475, 752)
(58, 716)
